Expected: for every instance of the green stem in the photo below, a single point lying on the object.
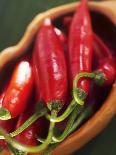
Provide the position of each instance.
(70, 123)
(67, 129)
(83, 116)
(67, 112)
(14, 151)
(50, 149)
(71, 126)
(30, 121)
(4, 114)
(31, 149)
(42, 140)
(78, 94)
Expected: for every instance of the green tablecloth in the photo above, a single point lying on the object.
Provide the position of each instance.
(14, 17)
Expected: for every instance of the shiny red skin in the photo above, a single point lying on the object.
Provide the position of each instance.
(80, 46)
(51, 65)
(63, 41)
(100, 51)
(36, 77)
(7, 125)
(108, 67)
(4, 123)
(28, 136)
(1, 98)
(61, 37)
(105, 61)
(19, 89)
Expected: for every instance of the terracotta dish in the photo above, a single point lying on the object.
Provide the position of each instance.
(104, 115)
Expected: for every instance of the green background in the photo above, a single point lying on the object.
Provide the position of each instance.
(14, 17)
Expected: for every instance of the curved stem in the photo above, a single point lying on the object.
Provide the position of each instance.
(67, 129)
(50, 149)
(42, 140)
(31, 149)
(80, 95)
(67, 112)
(83, 116)
(72, 124)
(72, 127)
(30, 121)
(14, 151)
(76, 100)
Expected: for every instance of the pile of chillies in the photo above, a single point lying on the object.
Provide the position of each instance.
(50, 94)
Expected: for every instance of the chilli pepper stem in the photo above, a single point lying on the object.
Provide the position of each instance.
(65, 133)
(25, 125)
(72, 124)
(4, 114)
(31, 149)
(76, 100)
(83, 116)
(67, 112)
(79, 94)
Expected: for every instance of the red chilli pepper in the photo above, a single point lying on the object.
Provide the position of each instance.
(106, 62)
(80, 46)
(108, 68)
(36, 77)
(67, 22)
(100, 49)
(18, 91)
(51, 66)
(28, 136)
(7, 125)
(63, 41)
(1, 98)
(61, 36)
